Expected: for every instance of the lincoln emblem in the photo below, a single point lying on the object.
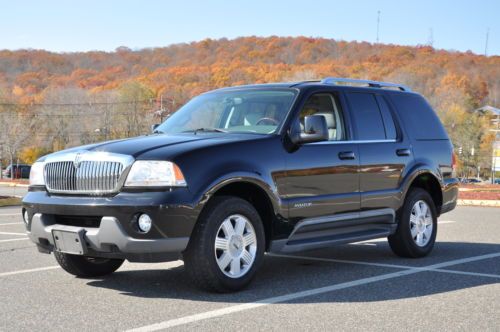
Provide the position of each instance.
(78, 159)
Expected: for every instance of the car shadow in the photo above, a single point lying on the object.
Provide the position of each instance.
(284, 275)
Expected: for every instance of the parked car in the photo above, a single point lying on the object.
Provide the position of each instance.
(497, 181)
(472, 180)
(240, 171)
(17, 171)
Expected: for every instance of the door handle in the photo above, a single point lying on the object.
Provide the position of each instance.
(347, 155)
(403, 152)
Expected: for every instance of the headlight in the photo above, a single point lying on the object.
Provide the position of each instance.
(149, 173)
(36, 174)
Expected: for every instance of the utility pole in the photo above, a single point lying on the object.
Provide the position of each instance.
(496, 145)
(1, 149)
(486, 43)
(162, 112)
(378, 25)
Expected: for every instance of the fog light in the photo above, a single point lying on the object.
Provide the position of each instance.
(144, 223)
(26, 217)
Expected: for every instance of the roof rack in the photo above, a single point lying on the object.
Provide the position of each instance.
(371, 84)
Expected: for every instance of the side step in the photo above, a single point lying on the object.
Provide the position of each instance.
(345, 228)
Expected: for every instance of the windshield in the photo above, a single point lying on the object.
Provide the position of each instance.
(253, 111)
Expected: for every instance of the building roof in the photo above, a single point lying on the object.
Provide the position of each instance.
(488, 109)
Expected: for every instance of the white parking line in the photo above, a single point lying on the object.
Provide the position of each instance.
(10, 214)
(11, 240)
(395, 266)
(265, 302)
(10, 233)
(302, 294)
(446, 221)
(473, 274)
(5, 274)
(345, 261)
(11, 223)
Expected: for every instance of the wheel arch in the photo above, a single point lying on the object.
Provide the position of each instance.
(426, 179)
(254, 190)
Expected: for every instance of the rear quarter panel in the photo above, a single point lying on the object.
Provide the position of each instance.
(431, 147)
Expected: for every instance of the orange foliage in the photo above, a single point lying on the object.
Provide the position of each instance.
(183, 70)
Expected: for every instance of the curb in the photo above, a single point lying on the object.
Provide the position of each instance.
(478, 202)
(11, 184)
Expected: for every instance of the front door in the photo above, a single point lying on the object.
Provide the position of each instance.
(322, 178)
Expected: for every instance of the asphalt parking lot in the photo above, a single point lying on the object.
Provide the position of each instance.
(353, 287)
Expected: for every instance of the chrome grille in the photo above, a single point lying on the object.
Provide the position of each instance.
(89, 176)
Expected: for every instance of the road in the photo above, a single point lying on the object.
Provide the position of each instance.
(360, 286)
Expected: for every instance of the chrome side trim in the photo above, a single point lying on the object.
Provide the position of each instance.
(342, 217)
(354, 142)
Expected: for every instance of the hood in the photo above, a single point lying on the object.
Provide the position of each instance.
(137, 146)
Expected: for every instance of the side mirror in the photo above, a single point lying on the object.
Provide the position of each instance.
(315, 130)
(153, 127)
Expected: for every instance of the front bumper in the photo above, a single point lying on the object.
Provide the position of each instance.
(109, 240)
(115, 235)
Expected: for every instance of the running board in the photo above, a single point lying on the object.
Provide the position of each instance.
(338, 229)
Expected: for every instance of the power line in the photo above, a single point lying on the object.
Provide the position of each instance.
(81, 104)
(34, 116)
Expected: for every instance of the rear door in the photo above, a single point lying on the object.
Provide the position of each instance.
(322, 178)
(384, 150)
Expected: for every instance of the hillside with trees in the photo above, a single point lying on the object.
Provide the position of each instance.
(49, 101)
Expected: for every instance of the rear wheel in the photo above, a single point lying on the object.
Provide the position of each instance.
(417, 226)
(86, 267)
(227, 245)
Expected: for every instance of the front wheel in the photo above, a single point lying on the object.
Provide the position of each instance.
(87, 267)
(226, 247)
(417, 226)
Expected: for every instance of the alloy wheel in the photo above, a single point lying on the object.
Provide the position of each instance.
(421, 223)
(235, 246)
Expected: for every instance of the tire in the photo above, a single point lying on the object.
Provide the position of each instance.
(87, 267)
(210, 246)
(411, 221)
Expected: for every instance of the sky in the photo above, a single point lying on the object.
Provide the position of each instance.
(68, 26)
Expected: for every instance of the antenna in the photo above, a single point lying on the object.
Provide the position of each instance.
(486, 44)
(430, 39)
(378, 24)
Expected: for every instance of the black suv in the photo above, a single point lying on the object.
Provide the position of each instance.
(245, 170)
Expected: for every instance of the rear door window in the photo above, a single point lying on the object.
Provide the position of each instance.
(390, 128)
(367, 118)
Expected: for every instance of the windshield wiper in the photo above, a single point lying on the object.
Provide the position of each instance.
(206, 130)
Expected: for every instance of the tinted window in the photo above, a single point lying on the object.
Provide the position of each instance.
(326, 105)
(367, 118)
(390, 128)
(418, 117)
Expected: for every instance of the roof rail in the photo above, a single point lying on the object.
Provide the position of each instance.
(304, 81)
(371, 84)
